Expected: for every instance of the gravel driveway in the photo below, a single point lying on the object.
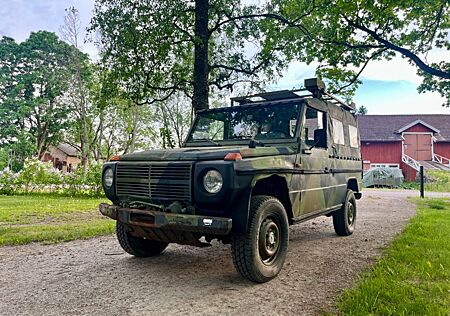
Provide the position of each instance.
(95, 277)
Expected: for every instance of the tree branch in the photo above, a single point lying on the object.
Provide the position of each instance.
(267, 16)
(377, 53)
(405, 52)
(436, 26)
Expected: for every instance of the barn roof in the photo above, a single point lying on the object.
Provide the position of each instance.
(389, 127)
(68, 149)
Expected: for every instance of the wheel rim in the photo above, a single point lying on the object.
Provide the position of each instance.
(269, 240)
(350, 214)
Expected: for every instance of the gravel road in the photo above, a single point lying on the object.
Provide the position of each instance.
(95, 277)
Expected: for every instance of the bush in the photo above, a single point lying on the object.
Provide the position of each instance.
(41, 177)
(7, 181)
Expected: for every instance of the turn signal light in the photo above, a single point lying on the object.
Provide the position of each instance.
(233, 157)
(115, 158)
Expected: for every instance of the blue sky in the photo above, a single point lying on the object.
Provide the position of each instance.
(388, 87)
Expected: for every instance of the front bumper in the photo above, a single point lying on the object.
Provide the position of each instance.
(163, 220)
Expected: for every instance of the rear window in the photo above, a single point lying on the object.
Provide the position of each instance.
(353, 135)
(338, 132)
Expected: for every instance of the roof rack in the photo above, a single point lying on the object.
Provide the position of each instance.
(314, 88)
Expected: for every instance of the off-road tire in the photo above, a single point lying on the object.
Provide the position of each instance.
(136, 246)
(344, 220)
(251, 254)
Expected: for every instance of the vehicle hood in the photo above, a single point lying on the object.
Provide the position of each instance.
(205, 153)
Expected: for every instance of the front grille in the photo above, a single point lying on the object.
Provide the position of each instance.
(156, 181)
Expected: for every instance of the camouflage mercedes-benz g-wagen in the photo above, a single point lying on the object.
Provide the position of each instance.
(244, 174)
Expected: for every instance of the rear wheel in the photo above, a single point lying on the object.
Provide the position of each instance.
(259, 254)
(344, 220)
(136, 246)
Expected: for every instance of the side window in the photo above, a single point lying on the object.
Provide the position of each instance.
(338, 132)
(314, 130)
(353, 135)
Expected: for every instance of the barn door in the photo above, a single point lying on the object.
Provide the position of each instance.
(418, 146)
(424, 145)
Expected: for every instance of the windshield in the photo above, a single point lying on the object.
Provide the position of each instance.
(259, 122)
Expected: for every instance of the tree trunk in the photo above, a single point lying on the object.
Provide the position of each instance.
(201, 66)
(100, 136)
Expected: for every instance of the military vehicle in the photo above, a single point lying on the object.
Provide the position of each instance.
(244, 174)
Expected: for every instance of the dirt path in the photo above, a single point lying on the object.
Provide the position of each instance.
(95, 277)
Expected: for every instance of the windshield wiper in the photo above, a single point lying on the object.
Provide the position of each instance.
(208, 140)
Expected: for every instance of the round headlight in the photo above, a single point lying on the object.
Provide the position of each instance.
(108, 178)
(212, 181)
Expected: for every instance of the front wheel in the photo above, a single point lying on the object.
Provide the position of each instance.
(136, 246)
(344, 220)
(259, 254)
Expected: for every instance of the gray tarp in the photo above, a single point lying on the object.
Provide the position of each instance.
(391, 177)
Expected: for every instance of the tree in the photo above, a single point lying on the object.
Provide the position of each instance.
(344, 36)
(34, 76)
(156, 48)
(176, 117)
(200, 44)
(362, 110)
(71, 32)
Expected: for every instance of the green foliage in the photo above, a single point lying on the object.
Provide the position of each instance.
(145, 66)
(362, 110)
(7, 182)
(36, 174)
(436, 181)
(432, 83)
(41, 177)
(4, 158)
(50, 218)
(343, 36)
(34, 77)
(78, 183)
(413, 276)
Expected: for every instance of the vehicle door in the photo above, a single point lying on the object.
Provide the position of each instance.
(313, 162)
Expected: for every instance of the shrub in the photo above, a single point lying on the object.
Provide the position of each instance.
(41, 177)
(7, 181)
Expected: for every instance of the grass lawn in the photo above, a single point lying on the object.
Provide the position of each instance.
(49, 218)
(413, 276)
(440, 182)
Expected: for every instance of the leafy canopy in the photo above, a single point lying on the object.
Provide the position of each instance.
(345, 35)
(34, 76)
(148, 46)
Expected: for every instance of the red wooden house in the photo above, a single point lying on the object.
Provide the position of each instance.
(64, 157)
(405, 141)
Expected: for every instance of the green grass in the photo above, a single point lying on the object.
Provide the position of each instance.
(439, 182)
(413, 276)
(49, 219)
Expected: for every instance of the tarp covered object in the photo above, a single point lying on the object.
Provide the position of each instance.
(382, 176)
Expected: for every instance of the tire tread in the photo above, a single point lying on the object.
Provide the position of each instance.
(241, 248)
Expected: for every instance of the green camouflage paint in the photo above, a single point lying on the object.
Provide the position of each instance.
(317, 178)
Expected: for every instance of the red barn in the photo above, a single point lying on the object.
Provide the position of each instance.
(405, 141)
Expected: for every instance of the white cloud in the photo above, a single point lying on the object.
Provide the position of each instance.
(391, 70)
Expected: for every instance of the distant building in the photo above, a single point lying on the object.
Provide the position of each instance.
(64, 157)
(405, 142)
